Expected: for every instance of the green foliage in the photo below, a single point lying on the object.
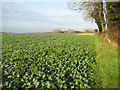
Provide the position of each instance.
(113, 20)
(95, 30)
(113, 13)
(47, 61)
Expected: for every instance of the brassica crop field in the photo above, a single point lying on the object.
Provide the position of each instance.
(48, 61)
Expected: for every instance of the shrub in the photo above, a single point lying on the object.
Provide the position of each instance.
(77, 31)
(62, 31)
(95, 30)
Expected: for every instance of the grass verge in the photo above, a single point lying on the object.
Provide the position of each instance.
(107, 64)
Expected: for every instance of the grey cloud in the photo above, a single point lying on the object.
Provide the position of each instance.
(17, 18)
(17, 12)
(11, 12)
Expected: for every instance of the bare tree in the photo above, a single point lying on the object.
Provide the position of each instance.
(92, 11)
(56, 31)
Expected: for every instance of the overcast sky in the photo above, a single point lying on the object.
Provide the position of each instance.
(41, 17)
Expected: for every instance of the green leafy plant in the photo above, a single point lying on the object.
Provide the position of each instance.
(47, 61)
(95, 30)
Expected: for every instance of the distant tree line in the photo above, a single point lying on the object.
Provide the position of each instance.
(65, 31)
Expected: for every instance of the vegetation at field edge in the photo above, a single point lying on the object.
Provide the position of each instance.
(107, 64)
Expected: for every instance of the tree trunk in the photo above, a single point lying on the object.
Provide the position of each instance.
(97, 17)
(101, 15)
(99, 26)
